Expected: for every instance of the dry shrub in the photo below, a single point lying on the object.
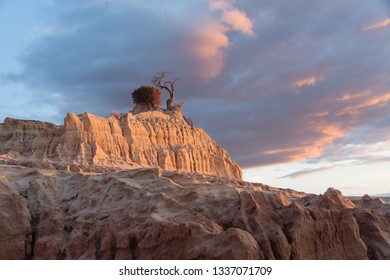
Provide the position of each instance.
(147, 95)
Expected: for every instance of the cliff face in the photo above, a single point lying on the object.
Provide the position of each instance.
(148, 213)
(90, 143)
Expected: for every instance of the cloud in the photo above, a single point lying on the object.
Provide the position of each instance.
(232, 18)
(216, 5)
(349, 96)
(370, 101)
(97, 64)
(47, 30)
(357, 153)
(305, 172)
(207, 45)
(307, 81)
(380, 24)
(209, 40)
(324, 135)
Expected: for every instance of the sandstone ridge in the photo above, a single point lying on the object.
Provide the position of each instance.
(89, 143)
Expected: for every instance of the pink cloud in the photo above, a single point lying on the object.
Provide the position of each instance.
(233, 19)
(356, 95)
(207, 45)
(219, 5)
(371, 101)
(238, 21)
(307, 81)
(326, 134)
(380, 24)
(209, 40)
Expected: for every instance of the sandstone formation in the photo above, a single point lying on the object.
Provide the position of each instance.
(95, 144)
(147, 185)
(150, 213)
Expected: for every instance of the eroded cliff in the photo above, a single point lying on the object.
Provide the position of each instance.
(88, 142)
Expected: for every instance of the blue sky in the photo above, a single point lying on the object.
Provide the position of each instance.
(296, 91)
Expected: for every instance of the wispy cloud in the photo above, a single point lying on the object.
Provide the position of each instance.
(311, 80)
(325, 134)
(357, 154)
(305, 172)
(378, 100)
(349, 96)
(379, 24)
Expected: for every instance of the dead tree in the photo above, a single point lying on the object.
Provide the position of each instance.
(159, 81)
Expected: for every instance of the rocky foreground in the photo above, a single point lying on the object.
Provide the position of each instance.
(148, 213)
(128, 188)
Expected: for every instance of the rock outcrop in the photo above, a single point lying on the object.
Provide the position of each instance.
(148, 185)
(95, 144)
(150, 213)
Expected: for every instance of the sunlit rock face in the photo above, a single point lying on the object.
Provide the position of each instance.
(149, 185)
(88, 142)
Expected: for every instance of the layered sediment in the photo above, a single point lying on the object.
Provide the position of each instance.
(90, 143)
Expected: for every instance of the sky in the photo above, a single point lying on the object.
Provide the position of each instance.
(297, 91)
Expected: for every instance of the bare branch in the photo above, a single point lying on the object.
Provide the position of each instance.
(159, 81)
